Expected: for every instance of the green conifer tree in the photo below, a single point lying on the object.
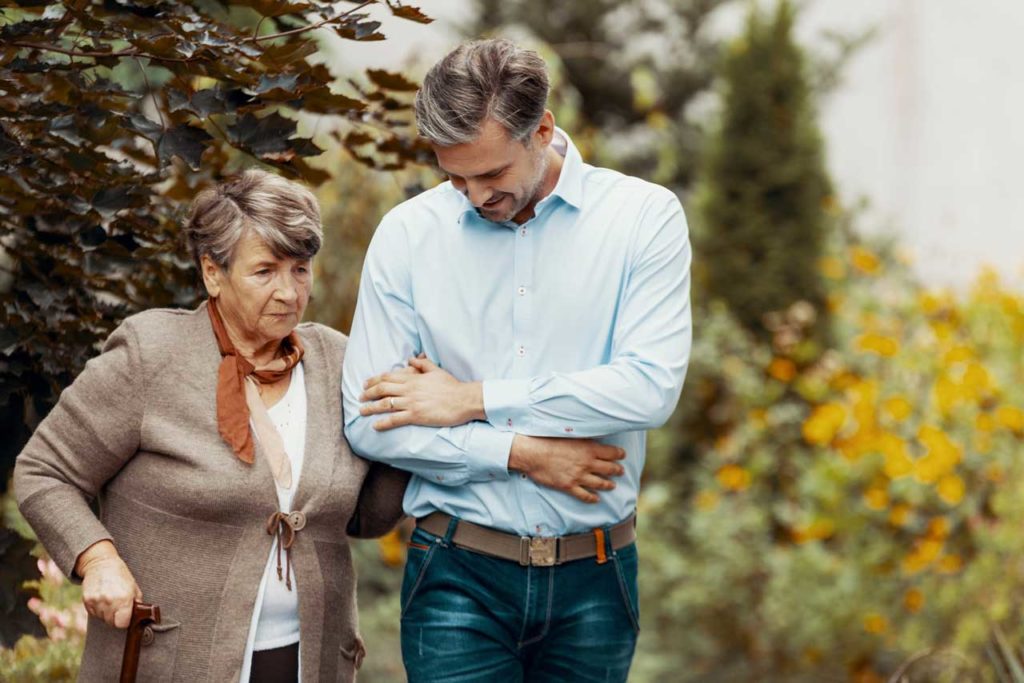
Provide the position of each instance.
(765, 188)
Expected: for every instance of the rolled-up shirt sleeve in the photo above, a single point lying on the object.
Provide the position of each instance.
(383, 338)
(84, 441)
(639, 387)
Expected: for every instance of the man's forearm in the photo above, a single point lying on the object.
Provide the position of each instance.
(471, 396)
(520, 457)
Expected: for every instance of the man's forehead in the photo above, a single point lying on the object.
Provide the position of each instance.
(490, 151)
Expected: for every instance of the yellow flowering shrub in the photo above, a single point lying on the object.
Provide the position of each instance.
(824, 513)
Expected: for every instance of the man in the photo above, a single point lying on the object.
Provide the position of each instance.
(555, 296)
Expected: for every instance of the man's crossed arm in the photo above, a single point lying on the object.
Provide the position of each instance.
(432, 397)
(454, 432)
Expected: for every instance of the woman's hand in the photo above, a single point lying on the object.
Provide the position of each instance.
(108, 587)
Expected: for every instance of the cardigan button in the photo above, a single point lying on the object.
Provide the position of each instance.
(148, 635)
(297, 520)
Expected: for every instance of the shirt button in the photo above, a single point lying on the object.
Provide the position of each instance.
(510, 422)
(522, 291)
(523, 232)
(521, 352)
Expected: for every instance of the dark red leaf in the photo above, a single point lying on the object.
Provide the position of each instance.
(391, 81)
(185, 142)
(409, 12)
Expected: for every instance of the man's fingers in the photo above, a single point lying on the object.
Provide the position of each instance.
(583, 494)
(423, 364)
(380, 407)
(606, 468)
(596, 483)
(393, 420)
(398, 376)
(381, 390)
(610, 453)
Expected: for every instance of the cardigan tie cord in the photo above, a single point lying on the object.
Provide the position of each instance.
(285, 525)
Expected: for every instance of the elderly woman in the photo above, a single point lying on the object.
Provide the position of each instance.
(213, 441)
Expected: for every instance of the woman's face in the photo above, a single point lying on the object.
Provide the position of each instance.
(260, 296)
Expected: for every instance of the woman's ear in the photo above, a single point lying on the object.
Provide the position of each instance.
(213, 276)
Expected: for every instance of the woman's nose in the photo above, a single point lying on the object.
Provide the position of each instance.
(287, 288)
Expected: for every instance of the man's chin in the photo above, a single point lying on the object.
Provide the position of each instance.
(495, 216)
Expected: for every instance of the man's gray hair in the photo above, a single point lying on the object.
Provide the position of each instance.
(480, 80)
(283, 213)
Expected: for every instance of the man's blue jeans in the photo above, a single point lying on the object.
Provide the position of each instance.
(468, 617)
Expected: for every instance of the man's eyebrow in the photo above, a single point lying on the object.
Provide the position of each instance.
(494, 171)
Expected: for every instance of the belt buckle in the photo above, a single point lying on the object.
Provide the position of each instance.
(543, 551)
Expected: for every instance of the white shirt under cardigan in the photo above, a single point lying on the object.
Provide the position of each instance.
(275, 618)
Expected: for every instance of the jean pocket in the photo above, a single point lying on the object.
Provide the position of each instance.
(420, 552)
(626, 566)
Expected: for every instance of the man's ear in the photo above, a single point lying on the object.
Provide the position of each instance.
(545, 129)
(213, 276)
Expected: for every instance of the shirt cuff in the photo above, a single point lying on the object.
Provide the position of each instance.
(506, 402)
(487, 453)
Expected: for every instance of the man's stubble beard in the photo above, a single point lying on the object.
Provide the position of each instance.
(535, 186)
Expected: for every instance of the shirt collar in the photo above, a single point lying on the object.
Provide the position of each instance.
(569, 187)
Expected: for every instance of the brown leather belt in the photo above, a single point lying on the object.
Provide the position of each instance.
(530, 551)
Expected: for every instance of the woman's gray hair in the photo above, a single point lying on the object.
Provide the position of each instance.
(283, 213)
(480, 80)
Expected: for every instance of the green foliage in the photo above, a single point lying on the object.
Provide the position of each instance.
(353, 202)
(52, 641)
(636, 69)
(112, 116)
(764, 190)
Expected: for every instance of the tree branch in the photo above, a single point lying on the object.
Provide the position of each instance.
(134, 52)
(310, 27)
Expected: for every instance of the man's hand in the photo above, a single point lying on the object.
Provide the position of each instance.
(429, 397)
(108, 587)
(578, 467)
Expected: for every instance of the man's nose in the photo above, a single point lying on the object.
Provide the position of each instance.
(478, 193)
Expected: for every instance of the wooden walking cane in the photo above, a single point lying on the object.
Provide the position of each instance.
(143, 615)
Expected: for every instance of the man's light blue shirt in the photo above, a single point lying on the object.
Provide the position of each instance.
(577, 322)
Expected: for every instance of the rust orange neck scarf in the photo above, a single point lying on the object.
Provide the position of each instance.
(238, 399)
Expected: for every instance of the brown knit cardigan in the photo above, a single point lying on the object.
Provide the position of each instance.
(137, 430)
